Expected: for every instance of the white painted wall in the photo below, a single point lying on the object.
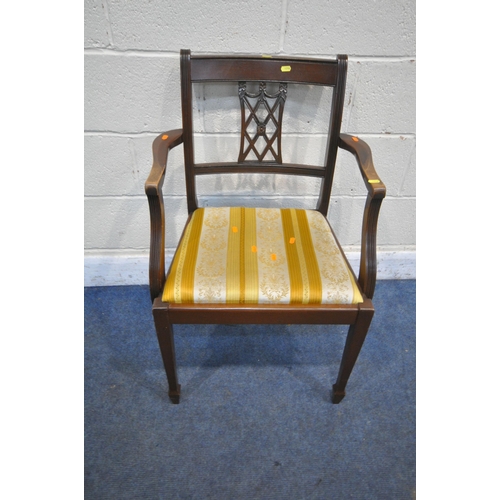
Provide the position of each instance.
(132, 93)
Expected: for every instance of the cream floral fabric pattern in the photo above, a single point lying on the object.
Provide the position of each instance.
(259, 255)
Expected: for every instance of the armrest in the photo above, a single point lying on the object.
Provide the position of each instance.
(161, 146)
(153, 187)
(363, 155)
(376, 193)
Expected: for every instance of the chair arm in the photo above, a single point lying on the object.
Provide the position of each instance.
(153, 187)
(161, 146)
(376, 193)
(363, 155)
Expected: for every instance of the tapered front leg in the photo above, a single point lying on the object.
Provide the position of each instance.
(165, 336)
(354, 342)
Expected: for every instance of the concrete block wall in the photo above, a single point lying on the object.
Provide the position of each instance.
(132, 93)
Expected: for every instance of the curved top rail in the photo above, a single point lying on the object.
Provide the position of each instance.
(251, 68)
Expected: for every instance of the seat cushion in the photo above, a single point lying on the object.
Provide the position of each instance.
(259, 256)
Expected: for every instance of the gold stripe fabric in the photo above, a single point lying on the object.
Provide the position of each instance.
(184, 261)
(233, 268)
(250, 291)
(259, 255)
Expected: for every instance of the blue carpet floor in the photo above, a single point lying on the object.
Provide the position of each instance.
(255, 419)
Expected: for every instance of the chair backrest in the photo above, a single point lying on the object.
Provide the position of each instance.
(262, 113)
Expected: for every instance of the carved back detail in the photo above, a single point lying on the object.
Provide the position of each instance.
(261, 114)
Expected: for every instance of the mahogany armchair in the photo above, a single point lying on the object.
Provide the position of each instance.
(251, 265)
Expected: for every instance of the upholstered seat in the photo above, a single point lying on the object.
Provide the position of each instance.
(258, 256)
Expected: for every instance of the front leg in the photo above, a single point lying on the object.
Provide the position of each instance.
(354, 342)
(165, 336)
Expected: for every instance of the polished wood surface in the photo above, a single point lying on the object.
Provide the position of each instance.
(153, 187)
(214, 68)
(262, 68)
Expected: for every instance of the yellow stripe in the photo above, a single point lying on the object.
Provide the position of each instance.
(172, 283)
(294, 272)
(174, 287)
(172, 290)
(316, 291)
(302, 259)
(242, 255)
(233, 257)
(251, 295)
(189, 266)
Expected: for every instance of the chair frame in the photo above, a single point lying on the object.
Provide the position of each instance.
(212, 68)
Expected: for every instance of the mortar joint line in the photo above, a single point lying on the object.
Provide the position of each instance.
(108, 21)
(284, 24)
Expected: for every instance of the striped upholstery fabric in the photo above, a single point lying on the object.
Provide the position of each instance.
(258, 256)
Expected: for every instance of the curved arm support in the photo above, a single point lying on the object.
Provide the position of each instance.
(153, 187)
(376, 193)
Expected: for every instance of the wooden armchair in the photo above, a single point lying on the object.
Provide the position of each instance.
(251, 265)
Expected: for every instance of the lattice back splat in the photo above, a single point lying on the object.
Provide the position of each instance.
(260, 117)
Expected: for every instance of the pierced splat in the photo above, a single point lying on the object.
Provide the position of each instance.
(261, 122)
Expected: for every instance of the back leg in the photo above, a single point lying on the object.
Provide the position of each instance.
(354, 341)
(165, 336)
